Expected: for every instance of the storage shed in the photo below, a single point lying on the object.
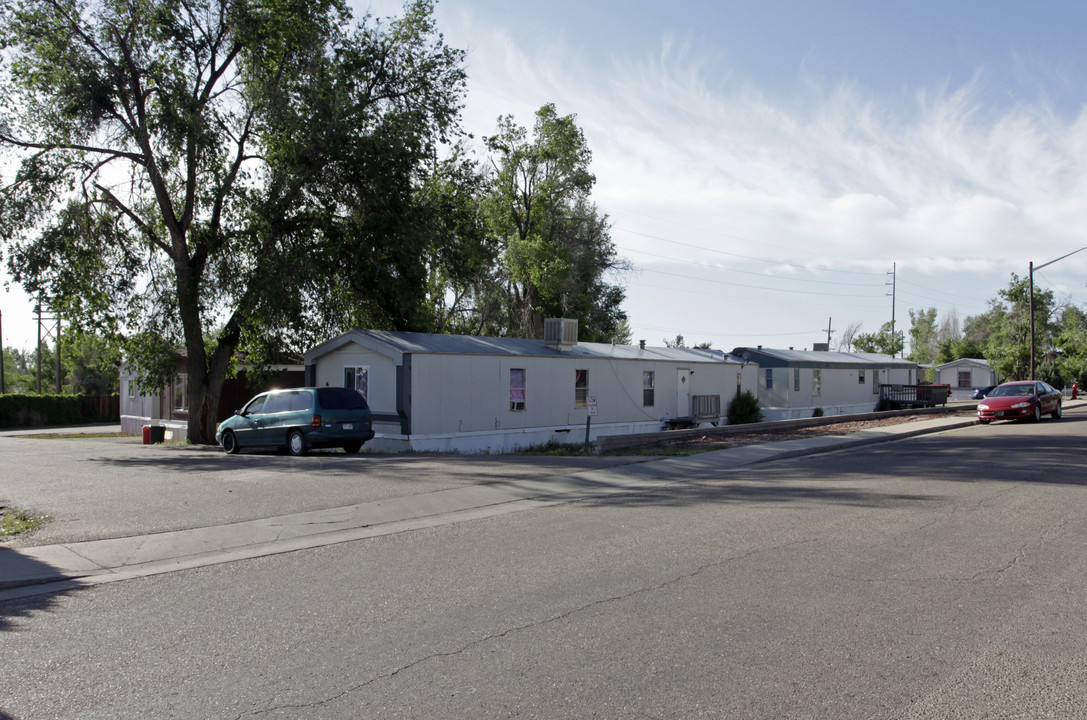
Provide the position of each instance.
(459, 393)
(793, 383)
(965, 374)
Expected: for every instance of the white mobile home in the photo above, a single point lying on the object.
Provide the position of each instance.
(793, 383)
(964, 375)
(458, 393)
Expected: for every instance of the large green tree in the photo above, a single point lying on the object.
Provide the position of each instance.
(923, 336)
(223, 174)
(885, 341)
(1006, 329)
(554, 248)
(1071, 338)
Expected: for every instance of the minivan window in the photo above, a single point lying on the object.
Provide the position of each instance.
(255, 406)
(301, 400)
(332, 398)
(278, 402)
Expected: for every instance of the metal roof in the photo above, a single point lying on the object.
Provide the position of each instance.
(770, 357)
(435, 344)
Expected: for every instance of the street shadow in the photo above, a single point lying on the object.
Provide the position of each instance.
(18, 571)
(997, 453)
(210, 460)
(703, 493)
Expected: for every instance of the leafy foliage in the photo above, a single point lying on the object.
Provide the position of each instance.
(553, 250)
(225, 174)
(885, 341)
(744, 408)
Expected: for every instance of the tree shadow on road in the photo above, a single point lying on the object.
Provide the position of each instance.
(14, 602)
(1000, 453)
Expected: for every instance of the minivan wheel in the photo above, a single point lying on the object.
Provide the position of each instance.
(296, 443)
(230, 443)
(352, 448)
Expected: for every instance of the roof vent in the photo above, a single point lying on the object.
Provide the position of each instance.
(560, 333)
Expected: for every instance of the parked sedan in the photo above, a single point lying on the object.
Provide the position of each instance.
(1016, 400)
(299, 419)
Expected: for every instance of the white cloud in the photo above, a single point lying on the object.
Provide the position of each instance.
(956, 191)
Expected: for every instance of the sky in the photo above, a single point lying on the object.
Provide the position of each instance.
(775, 170)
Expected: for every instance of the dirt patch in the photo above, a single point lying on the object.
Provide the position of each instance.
(777, 435)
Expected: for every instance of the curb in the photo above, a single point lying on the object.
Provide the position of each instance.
(56, 568)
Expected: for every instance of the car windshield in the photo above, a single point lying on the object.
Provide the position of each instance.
(1012, 390)
(340, 399)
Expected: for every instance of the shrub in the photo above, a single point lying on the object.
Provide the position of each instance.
(818, 412)
(37, 410)
(744, 408)
(885, 404)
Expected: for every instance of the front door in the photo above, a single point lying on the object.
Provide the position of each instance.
(250, 431)
(683, 396)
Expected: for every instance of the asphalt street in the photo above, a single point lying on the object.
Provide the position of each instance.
(936, 577)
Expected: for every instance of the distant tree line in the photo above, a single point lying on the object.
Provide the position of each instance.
(1000, 335)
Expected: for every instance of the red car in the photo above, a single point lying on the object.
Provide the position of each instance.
(1017, 400)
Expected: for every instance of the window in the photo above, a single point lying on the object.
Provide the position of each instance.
(796, 379)
(517, 389)
(181, 395)
(875, 382)
(581, 388)
(860, 377)
(131, 388)
(331, 398)
(769, 379)
(301, 400)
(816, 383)
(648, 392)
(278, 402)
(357, 378)
(964, 378)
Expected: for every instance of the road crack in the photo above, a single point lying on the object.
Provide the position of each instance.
(529, 626)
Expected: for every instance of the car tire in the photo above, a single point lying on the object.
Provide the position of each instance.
(230, 443)
(352, 448)
(983, 421)
(1037, 412)
(296, 442)
(1057, 413)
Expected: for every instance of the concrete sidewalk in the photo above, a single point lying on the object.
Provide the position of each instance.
(53, 568)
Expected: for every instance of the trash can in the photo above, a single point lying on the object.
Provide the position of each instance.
(157, 433)
(146, 434)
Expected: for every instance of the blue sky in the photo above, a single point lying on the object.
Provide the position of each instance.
(765, 165)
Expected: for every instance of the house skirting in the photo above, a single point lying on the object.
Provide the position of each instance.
(498, 441)
(792, 413)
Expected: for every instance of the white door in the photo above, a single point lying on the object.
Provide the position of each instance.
(683, 395)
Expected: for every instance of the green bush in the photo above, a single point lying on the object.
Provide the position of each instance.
(818, 412)
(744, 408)
(38, 410)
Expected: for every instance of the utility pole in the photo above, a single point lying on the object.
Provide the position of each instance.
(830, 326)
(892, 283)
(55, 330)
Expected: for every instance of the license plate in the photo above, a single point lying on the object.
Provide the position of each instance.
(349, 426)
(999, 413)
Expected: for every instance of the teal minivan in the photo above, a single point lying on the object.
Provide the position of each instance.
(299, 419)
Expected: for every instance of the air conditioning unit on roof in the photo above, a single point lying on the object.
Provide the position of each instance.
(560, 333)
